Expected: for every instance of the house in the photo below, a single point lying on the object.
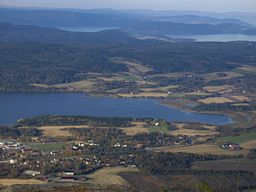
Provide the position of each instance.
(117, 145)
(68, 175)
(13, 161)
(225, 145)
(32, 173)
(12, 144)
(230, 146)
(74, 147)
(81, 144)
(234, 147)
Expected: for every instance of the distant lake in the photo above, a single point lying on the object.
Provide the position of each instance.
(220, 38)
(14, 106)
(87, 29)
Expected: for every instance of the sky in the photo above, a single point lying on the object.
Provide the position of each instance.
(205, 5)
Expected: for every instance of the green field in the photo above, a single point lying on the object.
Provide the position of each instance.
(163, 129)
(238, 139)
(48, 146)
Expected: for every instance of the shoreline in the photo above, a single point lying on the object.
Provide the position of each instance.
(158, 101)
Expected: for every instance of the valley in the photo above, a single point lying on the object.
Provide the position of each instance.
(127, 100)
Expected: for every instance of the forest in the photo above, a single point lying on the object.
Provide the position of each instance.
(63, 57)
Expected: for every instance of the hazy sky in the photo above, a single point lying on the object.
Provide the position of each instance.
(210, 5)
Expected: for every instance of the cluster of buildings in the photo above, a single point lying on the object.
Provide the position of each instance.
(231, 146)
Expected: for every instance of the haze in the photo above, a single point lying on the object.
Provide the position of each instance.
(205, 5)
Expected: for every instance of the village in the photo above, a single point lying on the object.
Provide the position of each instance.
(72, 162)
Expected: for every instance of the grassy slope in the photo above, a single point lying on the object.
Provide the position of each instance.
(238, 139)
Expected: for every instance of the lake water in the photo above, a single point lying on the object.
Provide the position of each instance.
(14, 106)
(87, 29)
(220, 37)
(199, 38)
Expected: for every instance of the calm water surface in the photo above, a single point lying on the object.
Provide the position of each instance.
(14, 106)
(199, 38)
(87, 29)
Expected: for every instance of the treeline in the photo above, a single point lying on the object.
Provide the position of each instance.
(13, 131)
(167, 164)
(76, 120)
(235, 130)
(226, 107)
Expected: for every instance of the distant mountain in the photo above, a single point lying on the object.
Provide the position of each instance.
(58, 18)
(30, 33)
(195, 19)
(247, 17)
(133, 21)
(171, 28)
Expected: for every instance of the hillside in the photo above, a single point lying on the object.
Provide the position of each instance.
(132, 21)
(32, 54)
(174, 28)
(62, 18)
(29, 33)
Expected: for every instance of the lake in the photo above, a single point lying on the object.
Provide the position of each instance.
(14, 106)
(198, 38)
(220, 37)
(87, 29)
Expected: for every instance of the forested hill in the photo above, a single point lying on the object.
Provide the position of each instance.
(62, 18)
(173, 28)
(132, 21)
(32, 54)
(29, 33)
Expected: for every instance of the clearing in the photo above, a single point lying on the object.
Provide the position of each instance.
(249, 144)
(223, 75)
(139, 127)
(218, 89)
(201, 149)
(165, 88)
(133, 66)
(215, 100)
(83, 85)
(48, 146)
(109, 176)
(240, 98)
(193, 132)
(238, 139)
(246, 69)
(10, 182)
(59, 131)
(144, 94)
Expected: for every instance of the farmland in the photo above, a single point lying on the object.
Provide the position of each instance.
(9, 182)
(217, 89)
(201, 149)
(182, 130)
(238, 139)
(59, 131)
(138, 127)
(109, 176)
(48, 146)
(215, 100)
